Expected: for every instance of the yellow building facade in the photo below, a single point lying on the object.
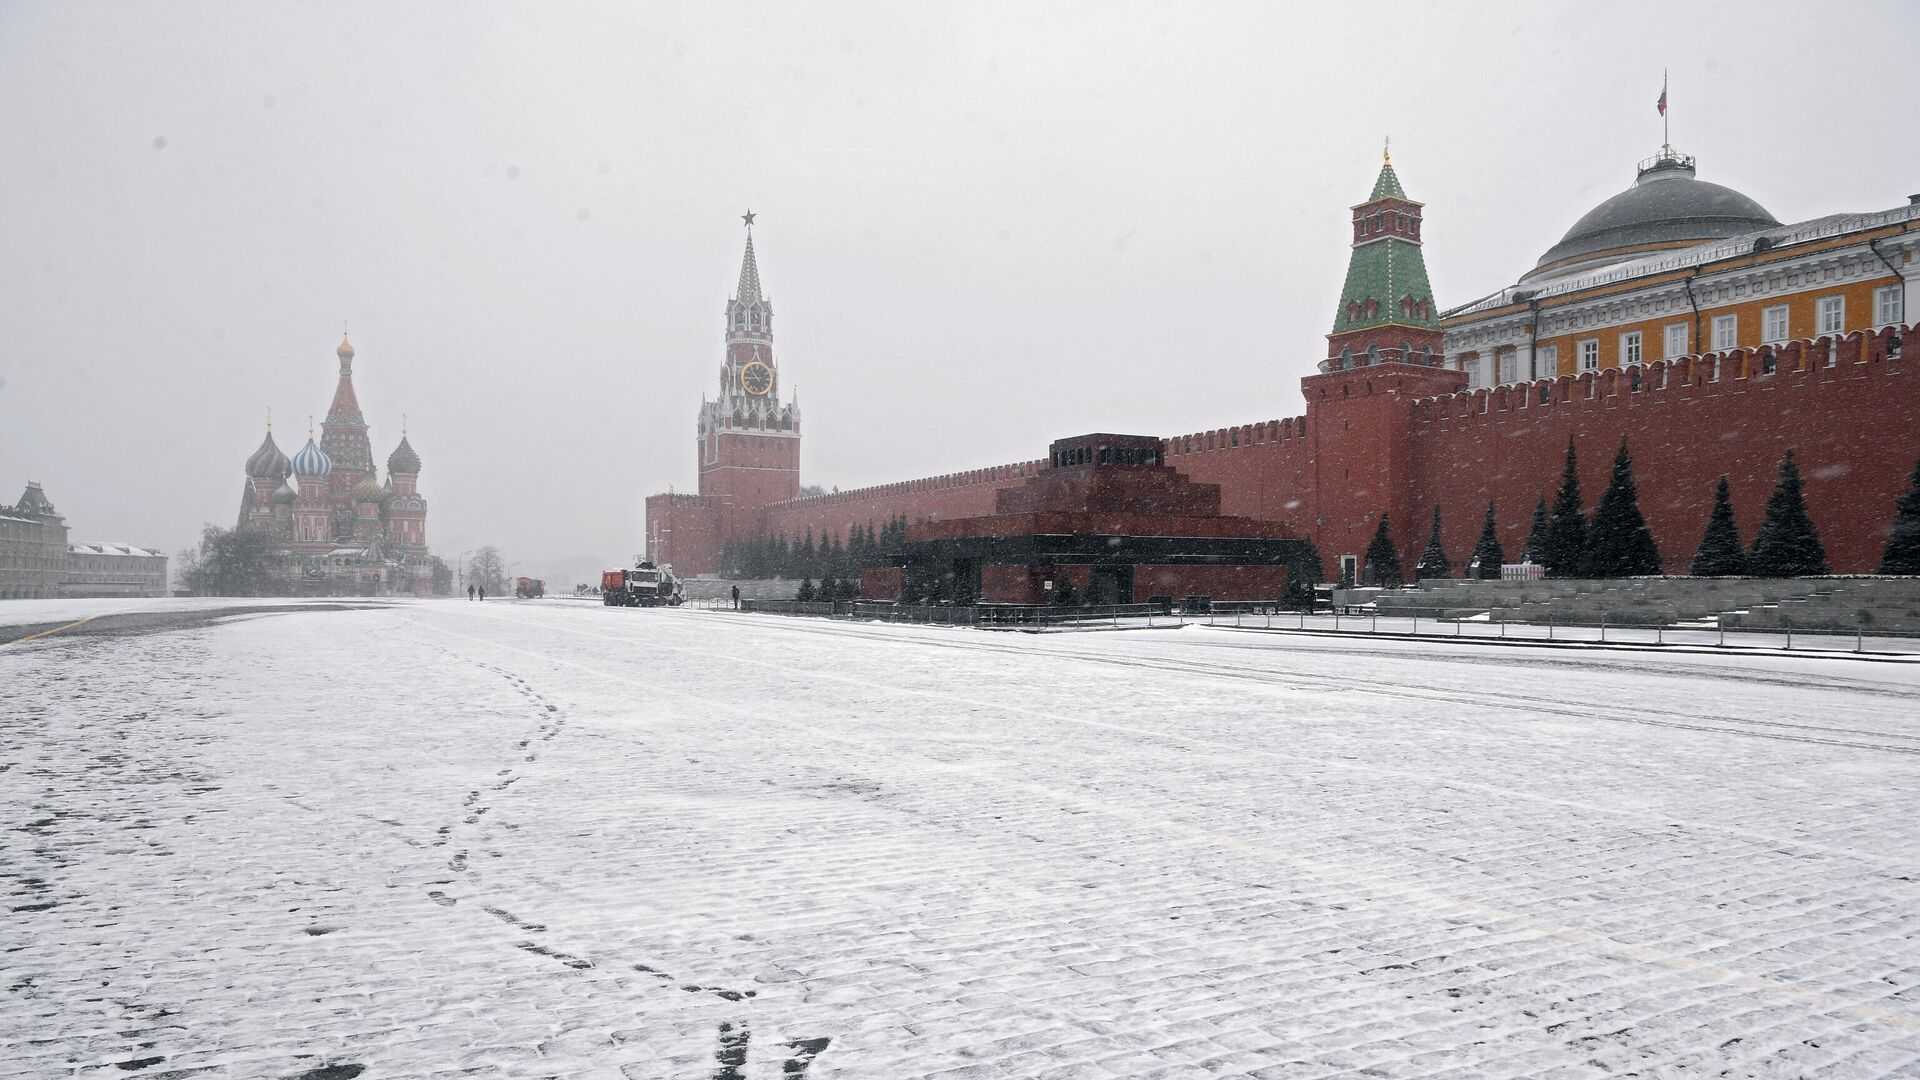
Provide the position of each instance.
(1676, 266)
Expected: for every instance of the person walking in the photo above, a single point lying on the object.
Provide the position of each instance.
(736, 598)
(469, 594)
(483, 593)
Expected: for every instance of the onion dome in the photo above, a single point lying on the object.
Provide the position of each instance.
(368, 491)
(345, 351)
(268, 463)
(285, 494)
(1665, 208)
(403, 459)
(312, 461)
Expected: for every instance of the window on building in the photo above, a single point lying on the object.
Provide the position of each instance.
(1726, 332)
(1508, 365)
(1546, 362)
(1773, 324)
(1889, 305)
(1676, 343)
(1590, 354)
(1630, 347)
(1833, 314)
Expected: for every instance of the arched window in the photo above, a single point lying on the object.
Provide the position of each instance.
(1346, 357)
(1373, 354)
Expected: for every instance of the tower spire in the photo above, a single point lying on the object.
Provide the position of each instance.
(1386, 311)
(749, 288)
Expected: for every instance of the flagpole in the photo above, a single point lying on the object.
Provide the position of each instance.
(1666, 139)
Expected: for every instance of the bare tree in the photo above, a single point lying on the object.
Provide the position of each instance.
(487, 570)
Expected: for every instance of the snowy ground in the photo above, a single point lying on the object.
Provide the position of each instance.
(558, 839)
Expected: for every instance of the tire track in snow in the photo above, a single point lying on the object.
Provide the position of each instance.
(1367, 882)
(1277, 681)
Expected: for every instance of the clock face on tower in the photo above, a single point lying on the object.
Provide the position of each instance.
(756, 379)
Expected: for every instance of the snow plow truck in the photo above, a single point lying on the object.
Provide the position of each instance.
(646, 585)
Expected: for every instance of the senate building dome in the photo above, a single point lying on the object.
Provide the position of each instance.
(1665, 208)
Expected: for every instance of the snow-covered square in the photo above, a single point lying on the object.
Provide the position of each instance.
(551, 838)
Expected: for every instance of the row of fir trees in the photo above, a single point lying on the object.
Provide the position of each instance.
(1615, 541)
(831, 557)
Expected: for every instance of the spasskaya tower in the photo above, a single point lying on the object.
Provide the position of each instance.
(749, 443)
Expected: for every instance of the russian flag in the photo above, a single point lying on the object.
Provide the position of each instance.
(1662, 105)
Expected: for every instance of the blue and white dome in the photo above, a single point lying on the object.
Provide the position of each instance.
(312, 461)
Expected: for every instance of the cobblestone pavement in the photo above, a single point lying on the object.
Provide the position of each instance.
(554, 839)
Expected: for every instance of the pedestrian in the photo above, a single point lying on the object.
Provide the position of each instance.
(469, 594)
(483, 593)
(736, 598)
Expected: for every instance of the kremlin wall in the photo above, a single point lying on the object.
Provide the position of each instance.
(1416, 407)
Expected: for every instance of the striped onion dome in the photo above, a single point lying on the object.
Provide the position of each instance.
(312, 461)
(268, 463)
(368, 491)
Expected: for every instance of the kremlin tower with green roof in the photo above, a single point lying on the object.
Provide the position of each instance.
(1386, 312)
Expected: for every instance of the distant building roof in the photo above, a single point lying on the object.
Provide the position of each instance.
(1665, 207)
(113, 549)
(1656, 262)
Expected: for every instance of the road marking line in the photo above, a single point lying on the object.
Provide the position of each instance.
(44, 633)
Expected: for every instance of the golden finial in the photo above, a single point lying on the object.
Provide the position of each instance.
(403, 425)
(309, 427)
(1386, 151)
(269, 419)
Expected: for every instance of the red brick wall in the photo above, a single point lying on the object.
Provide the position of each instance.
(955, 495)
(1850, 427)
(1402, 439)
(689, 532)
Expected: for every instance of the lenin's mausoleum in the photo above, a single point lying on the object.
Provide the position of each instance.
(1678, 314)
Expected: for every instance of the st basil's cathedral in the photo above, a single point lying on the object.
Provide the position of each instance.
(345, 532)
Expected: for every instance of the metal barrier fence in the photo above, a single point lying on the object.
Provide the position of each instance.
(1257, 615)
(983, 616)
(1274, 615)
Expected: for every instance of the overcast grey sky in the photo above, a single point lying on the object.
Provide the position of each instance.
(982, 226)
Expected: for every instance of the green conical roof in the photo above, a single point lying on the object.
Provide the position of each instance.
(1386, 272)
(1388, 186)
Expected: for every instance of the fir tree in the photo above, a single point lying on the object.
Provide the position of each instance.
(1537, 534)
(1488, 552)
(1063, 589)
(1619, 544)
(1902, 555)
(1382, 559)
(1566, 539)
(805, 595)
(1720, 554)
(1788, 544)
(1303, 573)
(1433, 561)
